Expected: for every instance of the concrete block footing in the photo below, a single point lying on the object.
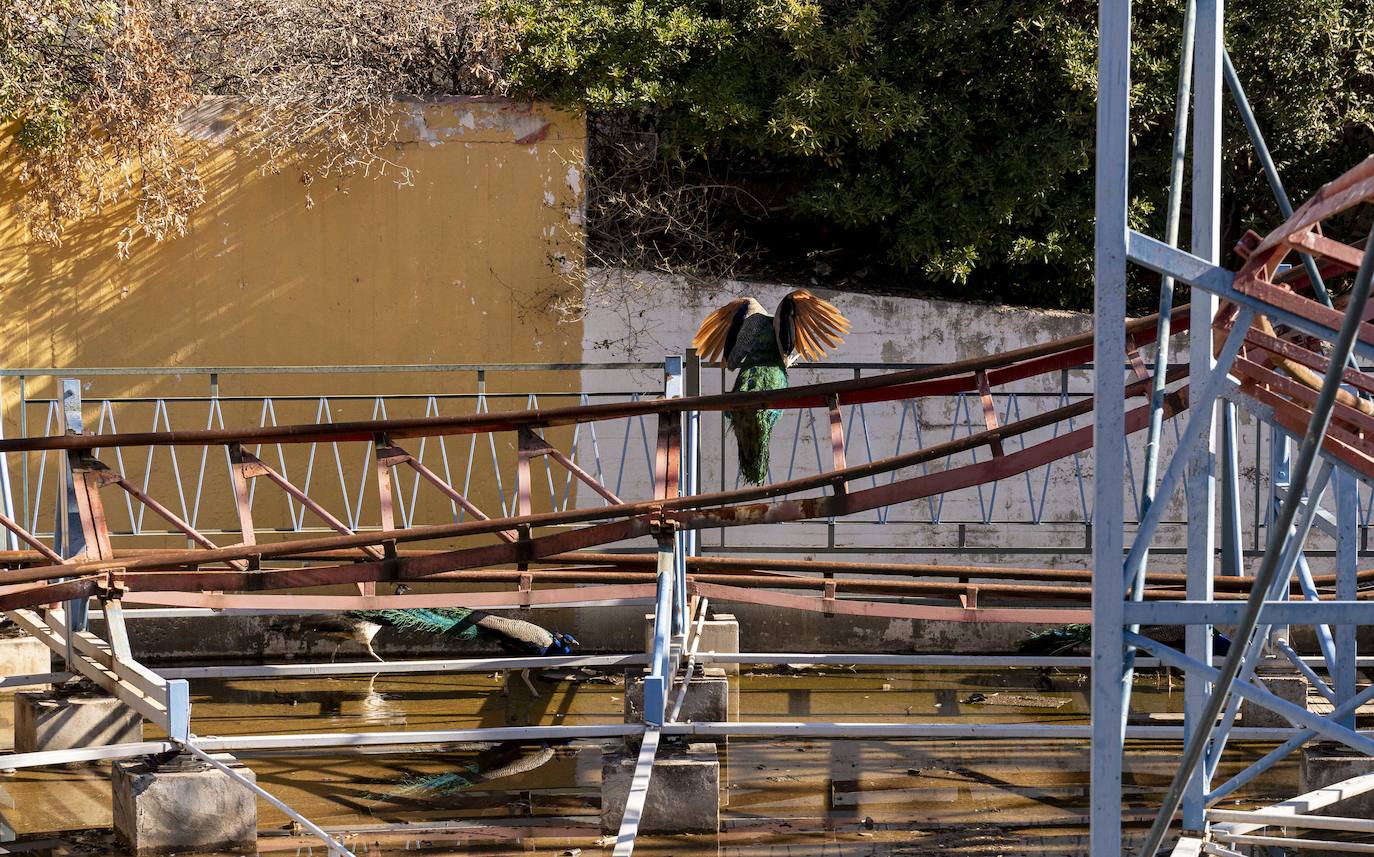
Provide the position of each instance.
(183, 804)
(719, 633)
(65, 718)
(707, 699)
(1326, 763)
(684, 791)
(1283, 681)
(24, 656)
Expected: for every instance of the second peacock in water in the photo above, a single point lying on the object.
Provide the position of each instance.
(515, 637)
(762, 348)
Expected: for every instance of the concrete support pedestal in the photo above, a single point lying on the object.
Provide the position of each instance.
(68, 717)
(719, 633)
(183, 804)
(24, 655)
(1283, 681)
(684, 791)
(707, 699)
(1328, 763)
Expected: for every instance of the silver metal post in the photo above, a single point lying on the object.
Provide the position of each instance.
(1232, 548)
(1347, 557)
(6, 491)
(691, 443)
(1109, 683)
(69, 535)
(1166, 283)
(1201, 729)
(673, 386)
(1201, 473)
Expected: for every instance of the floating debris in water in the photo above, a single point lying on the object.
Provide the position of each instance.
(1017, 700)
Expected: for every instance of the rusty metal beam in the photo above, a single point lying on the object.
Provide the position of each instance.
(912, 383)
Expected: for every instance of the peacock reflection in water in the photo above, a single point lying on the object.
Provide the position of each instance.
(491, 763)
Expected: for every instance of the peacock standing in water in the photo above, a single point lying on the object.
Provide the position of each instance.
(515, 637)
(762, 347)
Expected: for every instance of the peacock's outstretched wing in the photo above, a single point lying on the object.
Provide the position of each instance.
(716, 336)
(807, 325)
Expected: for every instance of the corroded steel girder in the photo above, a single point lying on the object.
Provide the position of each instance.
(1282, 369)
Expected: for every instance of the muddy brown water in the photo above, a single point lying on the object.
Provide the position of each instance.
(789, 798)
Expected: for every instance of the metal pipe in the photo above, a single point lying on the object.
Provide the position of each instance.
(1166, 283)
(681, 697)
(1308, 822)
(1232, 549)
(398, 667)
(1308, 673)
(706, 565)
(306, 743)
(1325, 642)
(1269, 565)
(656, 684)
(1296, 843)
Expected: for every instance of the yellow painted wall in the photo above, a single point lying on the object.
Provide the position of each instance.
(372, 273)
(457, 268)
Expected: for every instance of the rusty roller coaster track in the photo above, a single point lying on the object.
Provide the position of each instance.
(212, 574)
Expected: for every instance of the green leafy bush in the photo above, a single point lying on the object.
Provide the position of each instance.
(949, 145)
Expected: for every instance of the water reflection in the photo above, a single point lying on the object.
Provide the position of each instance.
(494, 763)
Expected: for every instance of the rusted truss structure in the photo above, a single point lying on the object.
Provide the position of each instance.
(527, 538)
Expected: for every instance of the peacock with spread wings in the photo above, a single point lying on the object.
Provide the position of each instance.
(762, 347)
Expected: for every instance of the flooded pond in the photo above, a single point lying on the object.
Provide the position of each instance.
(779, 797)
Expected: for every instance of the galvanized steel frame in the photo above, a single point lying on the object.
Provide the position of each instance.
(1295, 410)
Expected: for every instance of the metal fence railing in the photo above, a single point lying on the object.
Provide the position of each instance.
(618, 454)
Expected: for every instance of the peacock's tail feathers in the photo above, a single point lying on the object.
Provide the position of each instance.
(435, 785)
(754, 428)
(456, 621)
(1058, 640)
(505, 760)
(515, 635)
(753, 432)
